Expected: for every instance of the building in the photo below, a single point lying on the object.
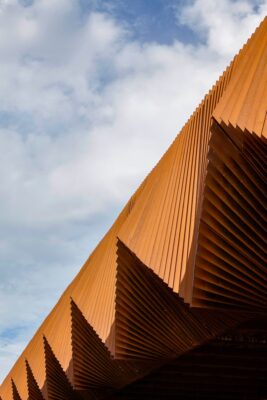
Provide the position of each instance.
(172, 303)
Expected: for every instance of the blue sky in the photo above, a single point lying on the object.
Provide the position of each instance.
(92, 93)
(149, 20)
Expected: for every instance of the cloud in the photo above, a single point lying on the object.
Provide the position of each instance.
(225, 25)
(86, 110)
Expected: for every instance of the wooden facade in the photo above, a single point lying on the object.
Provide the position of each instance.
(172, 303)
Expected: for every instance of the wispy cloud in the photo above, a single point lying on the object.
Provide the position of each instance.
(86, 109)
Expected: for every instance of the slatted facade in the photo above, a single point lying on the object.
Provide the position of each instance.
(172, 303)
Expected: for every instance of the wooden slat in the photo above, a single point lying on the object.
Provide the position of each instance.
(232, 247)
(57, 384)
(244, 105)
(151, 321)
(94, 368)
(34, 392)
(15, 393)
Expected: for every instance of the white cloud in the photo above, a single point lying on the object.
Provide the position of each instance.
(86, 111)
(225, 24)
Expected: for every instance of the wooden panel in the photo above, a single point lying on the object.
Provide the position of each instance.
(15, 393)
(152, 322)
(57, 384)
(34, 392)
(232, 247)
(244, 104)
(94, 368)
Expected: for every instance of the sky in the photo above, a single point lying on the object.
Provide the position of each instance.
(92, 92)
